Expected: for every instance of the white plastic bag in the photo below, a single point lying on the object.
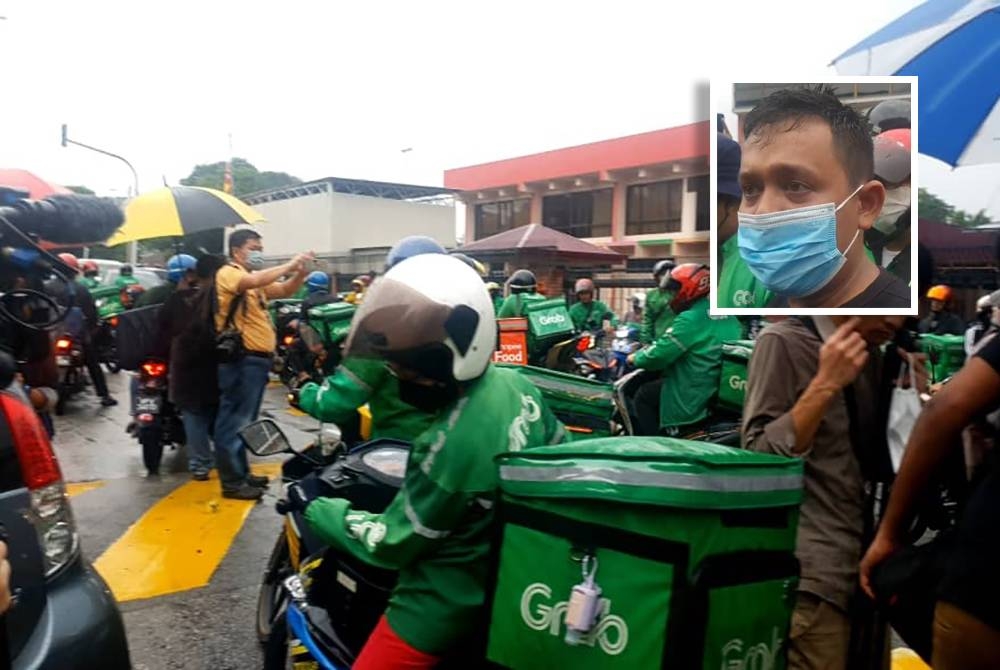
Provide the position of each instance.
(903, 412)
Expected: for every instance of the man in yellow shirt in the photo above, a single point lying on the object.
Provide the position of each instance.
(242, 382)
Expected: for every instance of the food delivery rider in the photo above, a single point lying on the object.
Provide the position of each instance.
(689, 354)
(358, 381)
(430, 319)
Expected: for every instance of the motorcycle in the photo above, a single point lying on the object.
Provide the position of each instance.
(593, 360)
(158, 422)
(69, 359)
(722, 426)
(284, 314)
(317, 605)
(625, 343)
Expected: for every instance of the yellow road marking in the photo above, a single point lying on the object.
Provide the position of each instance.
(275, 383)
(907, 659)
(76, 488)
(295, 412)
(178, 543)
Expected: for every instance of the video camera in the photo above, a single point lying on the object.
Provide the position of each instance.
(28, 309)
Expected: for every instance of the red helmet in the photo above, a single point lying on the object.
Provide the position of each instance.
(892, 155)
(688, 281)
(70, 260)
(90, 266)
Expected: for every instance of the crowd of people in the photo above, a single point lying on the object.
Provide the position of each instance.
(821, 389)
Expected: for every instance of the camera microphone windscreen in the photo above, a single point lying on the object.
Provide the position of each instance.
(67, 220)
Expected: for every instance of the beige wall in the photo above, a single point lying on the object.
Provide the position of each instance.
(335, 223)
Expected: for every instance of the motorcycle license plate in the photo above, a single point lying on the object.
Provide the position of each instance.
(148, 405)
(62, 361)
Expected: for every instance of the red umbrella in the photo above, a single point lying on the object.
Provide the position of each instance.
(36, 187)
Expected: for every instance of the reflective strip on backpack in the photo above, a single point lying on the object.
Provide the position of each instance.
(664, 480)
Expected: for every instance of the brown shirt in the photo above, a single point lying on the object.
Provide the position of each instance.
(785, 360)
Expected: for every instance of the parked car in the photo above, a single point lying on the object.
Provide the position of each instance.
(64, 615)
(147, 276)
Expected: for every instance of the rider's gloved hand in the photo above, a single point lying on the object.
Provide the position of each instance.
(297, 498)
(293, 396)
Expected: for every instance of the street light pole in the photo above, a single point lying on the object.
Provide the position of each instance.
(133, 247)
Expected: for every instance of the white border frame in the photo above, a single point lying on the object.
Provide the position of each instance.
(713, 87)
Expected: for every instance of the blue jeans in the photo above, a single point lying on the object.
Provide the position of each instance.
(197, 429)
(241, 391)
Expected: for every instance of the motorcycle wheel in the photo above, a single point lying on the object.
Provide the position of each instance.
(272, 630)
(152, 447)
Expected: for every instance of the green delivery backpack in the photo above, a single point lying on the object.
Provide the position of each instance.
(683, 552)
(733, 378)
(548, 322)
(945, 354)
(585, 406)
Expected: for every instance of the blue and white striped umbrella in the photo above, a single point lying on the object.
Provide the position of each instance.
(954, 47)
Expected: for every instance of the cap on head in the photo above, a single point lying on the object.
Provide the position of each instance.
(727, 174)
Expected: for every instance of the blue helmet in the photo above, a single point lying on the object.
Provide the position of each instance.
(318, 281)
(178, 265)
(413, 245)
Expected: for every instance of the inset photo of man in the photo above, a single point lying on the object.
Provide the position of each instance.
(814, 197)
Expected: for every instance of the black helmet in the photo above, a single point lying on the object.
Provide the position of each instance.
(125, 270)
(414, 245)
(523, 281)
(662, 269)
(889, 115)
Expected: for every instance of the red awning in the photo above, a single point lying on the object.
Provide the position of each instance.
(538, 238)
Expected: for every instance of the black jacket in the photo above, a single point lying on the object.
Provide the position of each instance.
(186, 323)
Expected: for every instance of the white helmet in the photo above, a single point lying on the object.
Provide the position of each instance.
(984, 303)
(431, 314)
(640, 298)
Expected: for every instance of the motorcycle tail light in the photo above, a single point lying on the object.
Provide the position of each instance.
(583, 344)
(50, 512)
(114, 322)
(154, 369)
(63, 344)
(145, 418)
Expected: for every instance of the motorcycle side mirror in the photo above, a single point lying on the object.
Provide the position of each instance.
(265, 438)
(330, 437)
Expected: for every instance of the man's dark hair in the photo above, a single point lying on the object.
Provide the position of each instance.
(241, 237)
(852, 138)
(208, 265)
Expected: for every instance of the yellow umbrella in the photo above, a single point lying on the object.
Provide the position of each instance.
(179, 210)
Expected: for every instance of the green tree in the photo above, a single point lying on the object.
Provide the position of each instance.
(247, 178)
(81, 190)
(936, 209)
(933, 208)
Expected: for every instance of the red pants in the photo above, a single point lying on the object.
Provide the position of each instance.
(385, 650)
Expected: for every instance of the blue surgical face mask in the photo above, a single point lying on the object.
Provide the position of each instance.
(255, 260)
(794, 252)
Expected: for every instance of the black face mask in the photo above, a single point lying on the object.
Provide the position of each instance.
(428, 399)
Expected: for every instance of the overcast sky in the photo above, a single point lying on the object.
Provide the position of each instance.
(339, 89)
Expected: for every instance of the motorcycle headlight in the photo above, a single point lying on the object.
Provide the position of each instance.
(389, 461)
